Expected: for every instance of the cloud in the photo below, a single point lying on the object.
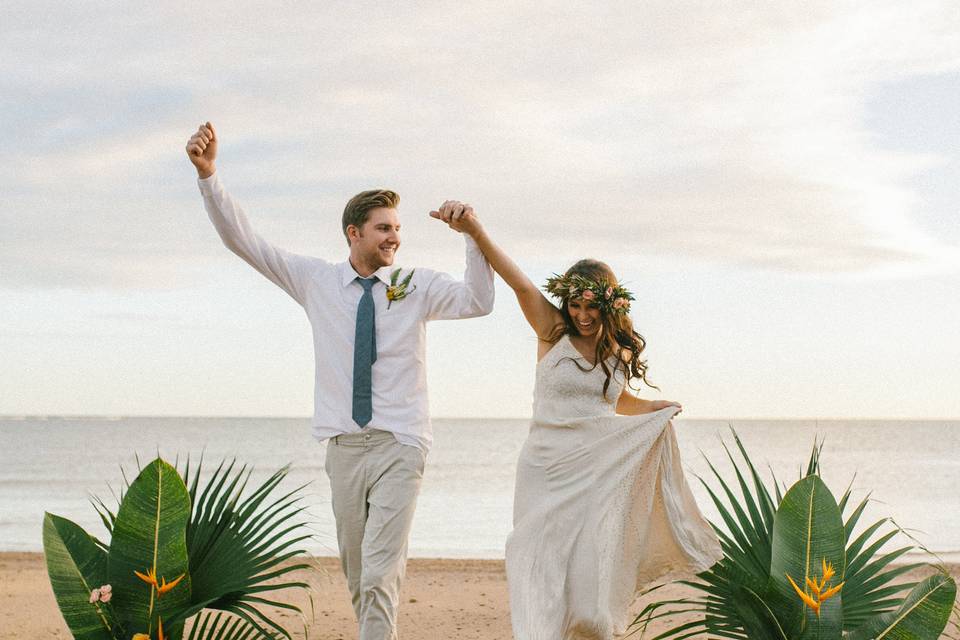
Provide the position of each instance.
(734, 135)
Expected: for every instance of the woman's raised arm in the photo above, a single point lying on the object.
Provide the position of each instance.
(542, 316)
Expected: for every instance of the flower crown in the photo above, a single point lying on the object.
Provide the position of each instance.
(610, 298)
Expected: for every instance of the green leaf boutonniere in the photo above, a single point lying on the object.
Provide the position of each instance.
(399, 291)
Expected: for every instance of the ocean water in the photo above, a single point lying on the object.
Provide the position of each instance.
(911, 469)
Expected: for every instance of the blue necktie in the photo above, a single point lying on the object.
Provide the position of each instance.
(364, 355)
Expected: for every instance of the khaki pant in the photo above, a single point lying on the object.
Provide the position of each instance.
(374, 483)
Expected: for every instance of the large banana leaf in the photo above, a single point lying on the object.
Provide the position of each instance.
(76, 565)
(807, 531)
(239, 546)
(922, 616)
(149, 534)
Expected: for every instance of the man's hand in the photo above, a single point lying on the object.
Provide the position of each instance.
(202, 150)
(459, 216)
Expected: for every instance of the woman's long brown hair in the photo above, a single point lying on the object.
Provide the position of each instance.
(617, 335)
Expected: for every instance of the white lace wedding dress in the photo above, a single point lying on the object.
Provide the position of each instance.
(601, 510)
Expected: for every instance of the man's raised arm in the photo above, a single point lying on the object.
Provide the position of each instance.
(285, 269)
(450, 299)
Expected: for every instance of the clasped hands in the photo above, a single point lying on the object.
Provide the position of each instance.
(459, 216)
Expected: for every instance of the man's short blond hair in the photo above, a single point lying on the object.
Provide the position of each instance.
(358, 208)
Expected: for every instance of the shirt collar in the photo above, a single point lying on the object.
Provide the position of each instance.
(348, 275)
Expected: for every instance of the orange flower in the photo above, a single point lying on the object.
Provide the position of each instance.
(165, 586)
(159, 628)
(829, 593)
(827, 572)
(140, 636)
(807, 600)
(150, 577)
(819, 593)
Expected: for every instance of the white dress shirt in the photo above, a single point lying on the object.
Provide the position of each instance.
(329, 294)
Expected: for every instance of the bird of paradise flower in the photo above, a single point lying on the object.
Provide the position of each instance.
(819, 591)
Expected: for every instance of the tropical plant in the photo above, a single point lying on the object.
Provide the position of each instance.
(775, 542)
(179, 550)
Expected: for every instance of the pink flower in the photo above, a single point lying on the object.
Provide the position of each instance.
(608, 293)
(589, 295)
(101, 594)
(619, 303)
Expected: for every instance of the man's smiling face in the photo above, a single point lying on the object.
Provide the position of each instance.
(375, 243)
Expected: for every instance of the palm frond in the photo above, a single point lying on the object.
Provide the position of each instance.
(220, 626)
(241, 542)
(745, 532)
(869, 586)
(747, 516)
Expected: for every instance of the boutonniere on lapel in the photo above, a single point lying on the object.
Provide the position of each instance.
(399, 291)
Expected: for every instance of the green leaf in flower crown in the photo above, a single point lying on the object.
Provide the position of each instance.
(807, 533)
(76, 566)
(922, 616)
(150, 535)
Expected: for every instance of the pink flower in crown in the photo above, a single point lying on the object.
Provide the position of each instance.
(589, 295)
(620, 303)
(94, 596)
(106, 592)
(608, 293)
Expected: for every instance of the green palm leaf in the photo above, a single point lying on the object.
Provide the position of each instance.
(239, 546)
(77, 564)
(746, 540)
(922, 616)
(219, 626)
(756, 617)
(870, 586)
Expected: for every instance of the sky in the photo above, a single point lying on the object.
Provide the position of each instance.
(777, 183)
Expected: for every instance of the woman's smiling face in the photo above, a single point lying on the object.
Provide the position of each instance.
(585, 316)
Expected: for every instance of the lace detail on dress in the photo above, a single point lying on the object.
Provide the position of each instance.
(563, 391)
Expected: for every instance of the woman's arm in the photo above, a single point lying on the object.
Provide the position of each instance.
(542, 316)
(630, 405)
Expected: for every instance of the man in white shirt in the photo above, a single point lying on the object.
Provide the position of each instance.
(370, 392)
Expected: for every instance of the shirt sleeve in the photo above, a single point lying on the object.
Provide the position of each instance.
(450, 299)
(288, 271)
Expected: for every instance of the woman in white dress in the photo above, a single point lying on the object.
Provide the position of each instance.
(601, 508)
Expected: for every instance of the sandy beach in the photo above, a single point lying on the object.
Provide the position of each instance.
(449, 599)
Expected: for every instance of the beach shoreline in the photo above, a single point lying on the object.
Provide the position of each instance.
(441, 598)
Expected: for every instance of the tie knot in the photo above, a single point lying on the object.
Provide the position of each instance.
(366, 283)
